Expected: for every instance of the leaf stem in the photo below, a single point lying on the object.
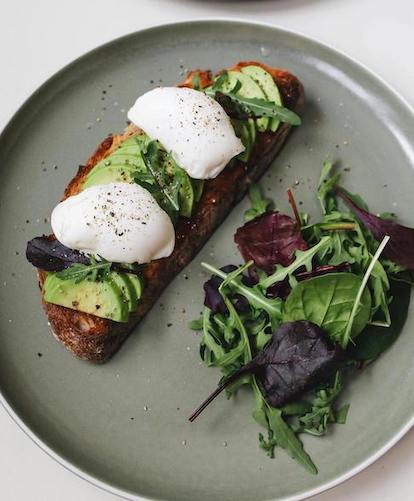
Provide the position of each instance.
(355, 307)
(337, 226)
(292, 202)
(215, 393)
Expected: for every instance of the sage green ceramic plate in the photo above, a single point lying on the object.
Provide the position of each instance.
(123, 425)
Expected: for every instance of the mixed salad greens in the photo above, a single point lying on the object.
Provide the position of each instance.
(312, 304)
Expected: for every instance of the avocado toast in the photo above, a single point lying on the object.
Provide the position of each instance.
(95, 338)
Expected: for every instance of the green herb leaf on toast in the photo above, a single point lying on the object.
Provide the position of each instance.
(96, 271)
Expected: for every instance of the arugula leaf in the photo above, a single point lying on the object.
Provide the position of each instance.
(303, 258)
(263, 108)
(259, 204)
(252, 106)
(232, 108)
(96, 271)
(322, 412)
(285, 437)
(254, 295)
(164, 187)
(325, 186)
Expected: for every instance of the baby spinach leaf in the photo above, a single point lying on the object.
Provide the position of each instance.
(327, 301)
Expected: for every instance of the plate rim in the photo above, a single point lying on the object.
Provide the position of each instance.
(37, 440)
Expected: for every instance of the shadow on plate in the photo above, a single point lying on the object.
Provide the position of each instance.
(255, 5)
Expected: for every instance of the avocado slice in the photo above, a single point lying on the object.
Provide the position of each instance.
(120, 165)
(138, 286)
(266, 82)
(128, 290)
(198, 187)
(186, 194)
(252, 130)
(249, 88)
(111, 174)
(242, 130)
(103, 299)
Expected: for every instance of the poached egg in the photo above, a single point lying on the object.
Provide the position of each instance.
(118, 221)
(190, 125)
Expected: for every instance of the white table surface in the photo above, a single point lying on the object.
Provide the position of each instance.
(38, 37)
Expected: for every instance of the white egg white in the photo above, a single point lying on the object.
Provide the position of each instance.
(120, 222)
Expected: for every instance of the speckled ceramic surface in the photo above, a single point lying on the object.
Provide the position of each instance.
(123, 425)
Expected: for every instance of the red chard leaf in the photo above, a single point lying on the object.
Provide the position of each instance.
(299, 356)
(269, 240)
(214, 300)
(49, 254)
(400, 248)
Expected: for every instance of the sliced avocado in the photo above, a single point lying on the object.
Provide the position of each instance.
(120, 165)
(252, 130)
(111, 174)
(103, 299)
(138, 285)
(198, 186)
(249, 88)
(119, 159)
(128, 290)
(186, 194)
(242, 130)
(130, 267)
(266, 82)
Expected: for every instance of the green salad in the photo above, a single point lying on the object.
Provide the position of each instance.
(313, 303)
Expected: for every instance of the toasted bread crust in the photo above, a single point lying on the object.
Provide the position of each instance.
(97, 339)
